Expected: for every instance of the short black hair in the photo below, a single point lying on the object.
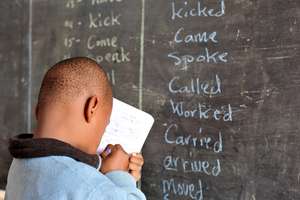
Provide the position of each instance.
(71, 78)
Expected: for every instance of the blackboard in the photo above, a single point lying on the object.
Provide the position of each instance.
(221, 78)
(13, 77)
(253, 149)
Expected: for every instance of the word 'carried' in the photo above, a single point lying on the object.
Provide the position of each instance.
(172, 137)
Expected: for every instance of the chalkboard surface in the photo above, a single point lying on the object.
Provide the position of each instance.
(100, 30)
(13, 77)
(221, 78)
(226, 100)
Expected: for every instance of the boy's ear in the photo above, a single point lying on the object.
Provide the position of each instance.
(91, 105)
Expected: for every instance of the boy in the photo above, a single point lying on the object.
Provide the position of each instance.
(58, 161)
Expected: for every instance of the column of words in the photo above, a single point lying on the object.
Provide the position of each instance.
(196, 88)
(90, 33)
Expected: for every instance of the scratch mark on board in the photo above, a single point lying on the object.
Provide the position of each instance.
(279, 57)
(267, 144)
(238, 34)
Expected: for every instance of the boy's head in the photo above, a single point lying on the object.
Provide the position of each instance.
(74, 103)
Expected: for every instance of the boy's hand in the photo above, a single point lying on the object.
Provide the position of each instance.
(118, 159)
(136, 162)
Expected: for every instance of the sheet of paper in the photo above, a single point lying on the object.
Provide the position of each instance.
(128, 127)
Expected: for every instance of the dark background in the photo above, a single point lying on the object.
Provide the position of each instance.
(13, 76)
(261, 81)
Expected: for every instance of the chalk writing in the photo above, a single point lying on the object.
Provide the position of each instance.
(119, 56)
(70, 41)
(202, 111)
(93, 42)
(196, 86)
(205, 56)
(98, 20)
(191, 190)
(171, 136)
(72, 3)
(178, 164)
(186, 11)
(200, 37)
(176, 134)
(96, 43)
(99, 2)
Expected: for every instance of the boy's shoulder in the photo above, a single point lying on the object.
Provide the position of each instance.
(57, 175)
(70, 170)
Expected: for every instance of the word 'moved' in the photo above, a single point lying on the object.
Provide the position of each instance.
(191, 190)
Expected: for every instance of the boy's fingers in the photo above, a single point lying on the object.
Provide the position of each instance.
(138, 155)
(135, 167)
(136, 175)
(137, 160)
(108, 149)
(118, 147)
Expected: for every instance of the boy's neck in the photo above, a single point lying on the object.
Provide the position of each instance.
(62, 136)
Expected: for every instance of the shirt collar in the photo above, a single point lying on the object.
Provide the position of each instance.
(25, 146)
